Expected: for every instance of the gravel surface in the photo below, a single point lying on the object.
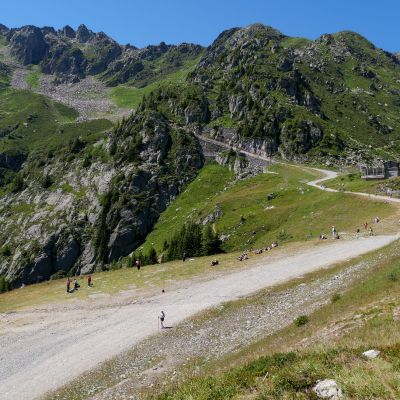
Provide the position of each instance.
(67, 343)
(89, 96)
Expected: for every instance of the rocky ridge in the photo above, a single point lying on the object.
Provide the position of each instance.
(97, 210)
(72, 55)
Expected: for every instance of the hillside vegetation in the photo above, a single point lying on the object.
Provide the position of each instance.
(275, 206)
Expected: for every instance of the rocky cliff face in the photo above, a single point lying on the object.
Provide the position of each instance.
(90, 215)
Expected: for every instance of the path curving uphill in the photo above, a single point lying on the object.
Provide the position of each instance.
(318, 183)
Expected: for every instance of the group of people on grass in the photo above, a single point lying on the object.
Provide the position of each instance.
(73, 286)
(370, 230)
(244, 255)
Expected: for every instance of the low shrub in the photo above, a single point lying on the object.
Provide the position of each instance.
(301, 320)
(4, 285)
(393, 276)
(336, 297)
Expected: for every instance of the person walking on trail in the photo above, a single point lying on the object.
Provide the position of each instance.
(68, 285)
(371, 231)
(184, 257)
(334, 232)
(137, 264)
(366, 225)
(162, 319)
(89, 281)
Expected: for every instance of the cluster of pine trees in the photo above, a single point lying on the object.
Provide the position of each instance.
(192, 241)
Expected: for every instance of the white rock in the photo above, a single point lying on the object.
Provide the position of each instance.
(371, 353)
(328, 389)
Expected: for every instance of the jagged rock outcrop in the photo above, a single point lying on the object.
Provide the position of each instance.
(71, 55)
(83, 34)
(131, 65)
(28, 45)
(68, 32)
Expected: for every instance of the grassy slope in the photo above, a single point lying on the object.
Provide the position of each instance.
(52, 124)
(32, 79)
(330, 346)
(354, 183)
(150, 277)
(299, 212)
(126, 96)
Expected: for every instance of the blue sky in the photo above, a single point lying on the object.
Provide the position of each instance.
(174, 21)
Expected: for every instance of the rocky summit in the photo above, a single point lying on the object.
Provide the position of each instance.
(86, 170)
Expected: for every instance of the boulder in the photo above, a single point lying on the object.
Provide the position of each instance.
(328, 389)
(217, 213)
(371, 353)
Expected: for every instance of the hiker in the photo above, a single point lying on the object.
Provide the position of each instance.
(76, 284)
(371, 231)
(366, 225)
(184, 257)
(68, 285)
(137, 264)
(334, 232)
(89, 281)
(358, 233)
(162, 318)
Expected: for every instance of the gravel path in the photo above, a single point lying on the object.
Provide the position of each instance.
(66, 344)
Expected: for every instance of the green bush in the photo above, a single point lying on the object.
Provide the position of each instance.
(5, 251)
(336, 297)
(301, 320)
(18, 184)
(46, 181)
(4, 285)
(192, 241)
(393, 276)
(58, 275)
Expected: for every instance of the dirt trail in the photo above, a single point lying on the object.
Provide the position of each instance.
(59, 346)
(318, 183)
